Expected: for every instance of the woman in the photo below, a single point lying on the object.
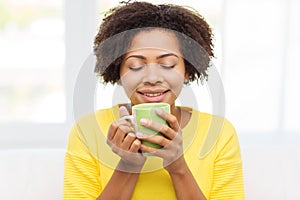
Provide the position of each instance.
(152, 51)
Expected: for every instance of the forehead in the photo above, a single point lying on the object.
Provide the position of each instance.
(155, 39)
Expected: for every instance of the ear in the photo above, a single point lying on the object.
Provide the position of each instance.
(119, 82)
(186, 78)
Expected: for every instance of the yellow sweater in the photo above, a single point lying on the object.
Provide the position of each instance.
(211, 150)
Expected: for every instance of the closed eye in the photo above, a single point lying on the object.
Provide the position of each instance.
(136, 68)
(167, 66)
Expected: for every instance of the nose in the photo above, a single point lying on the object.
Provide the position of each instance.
(152, 75)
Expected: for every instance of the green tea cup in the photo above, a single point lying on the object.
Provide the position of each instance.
(148, 111)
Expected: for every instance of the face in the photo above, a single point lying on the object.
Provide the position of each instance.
(153, 70)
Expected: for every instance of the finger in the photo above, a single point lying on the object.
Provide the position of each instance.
(159, 128)
(123, 111)
(114, 127)
(156, 139)
(171, 119)
(124, 115)
(135, 146)
(153, 151)
(128, 140)
(120, 134)
(162, 153)
(112, 130)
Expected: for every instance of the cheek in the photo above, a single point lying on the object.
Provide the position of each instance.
(129, 83)
(175, 81)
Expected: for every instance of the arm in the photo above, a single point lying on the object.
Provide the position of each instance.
(81, 170)
(115, 189)
(125, 144)
(184, 183)
(228, 176)
(82, 178)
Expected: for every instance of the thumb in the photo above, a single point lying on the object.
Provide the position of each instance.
(123, 111)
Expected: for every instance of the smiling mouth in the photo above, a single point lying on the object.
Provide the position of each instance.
(153, 94)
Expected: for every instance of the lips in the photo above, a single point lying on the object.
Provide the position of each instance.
(153, 95)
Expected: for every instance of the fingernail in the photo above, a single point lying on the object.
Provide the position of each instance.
(144, 121)
(159, 111)
(131, 134)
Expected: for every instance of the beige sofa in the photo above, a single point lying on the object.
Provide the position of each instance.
(270, 172)
(31, 174)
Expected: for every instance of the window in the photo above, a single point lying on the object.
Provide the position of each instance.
(42, 50)
(291, 96)
(32, 62)
(261, 69)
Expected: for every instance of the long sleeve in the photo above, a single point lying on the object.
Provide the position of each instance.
(81, 173)
(227, 173)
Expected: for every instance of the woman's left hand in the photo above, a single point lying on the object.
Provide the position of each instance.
(172, 151)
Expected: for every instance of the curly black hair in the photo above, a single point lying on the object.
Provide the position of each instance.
(122, 23)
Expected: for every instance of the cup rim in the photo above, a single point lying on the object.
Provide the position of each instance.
(151, 105)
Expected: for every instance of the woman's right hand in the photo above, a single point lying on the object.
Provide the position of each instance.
(124, 143)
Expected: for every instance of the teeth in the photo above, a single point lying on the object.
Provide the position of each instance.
(153, 94)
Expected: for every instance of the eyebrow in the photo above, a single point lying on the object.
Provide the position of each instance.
(158, 57)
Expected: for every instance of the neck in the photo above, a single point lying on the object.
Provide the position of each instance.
(183, 115)
(180, 115)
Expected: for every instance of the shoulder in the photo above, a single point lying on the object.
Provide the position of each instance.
(89, 132)
(218, 132)
(213, 122)
(96, 118)
(94, 123)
